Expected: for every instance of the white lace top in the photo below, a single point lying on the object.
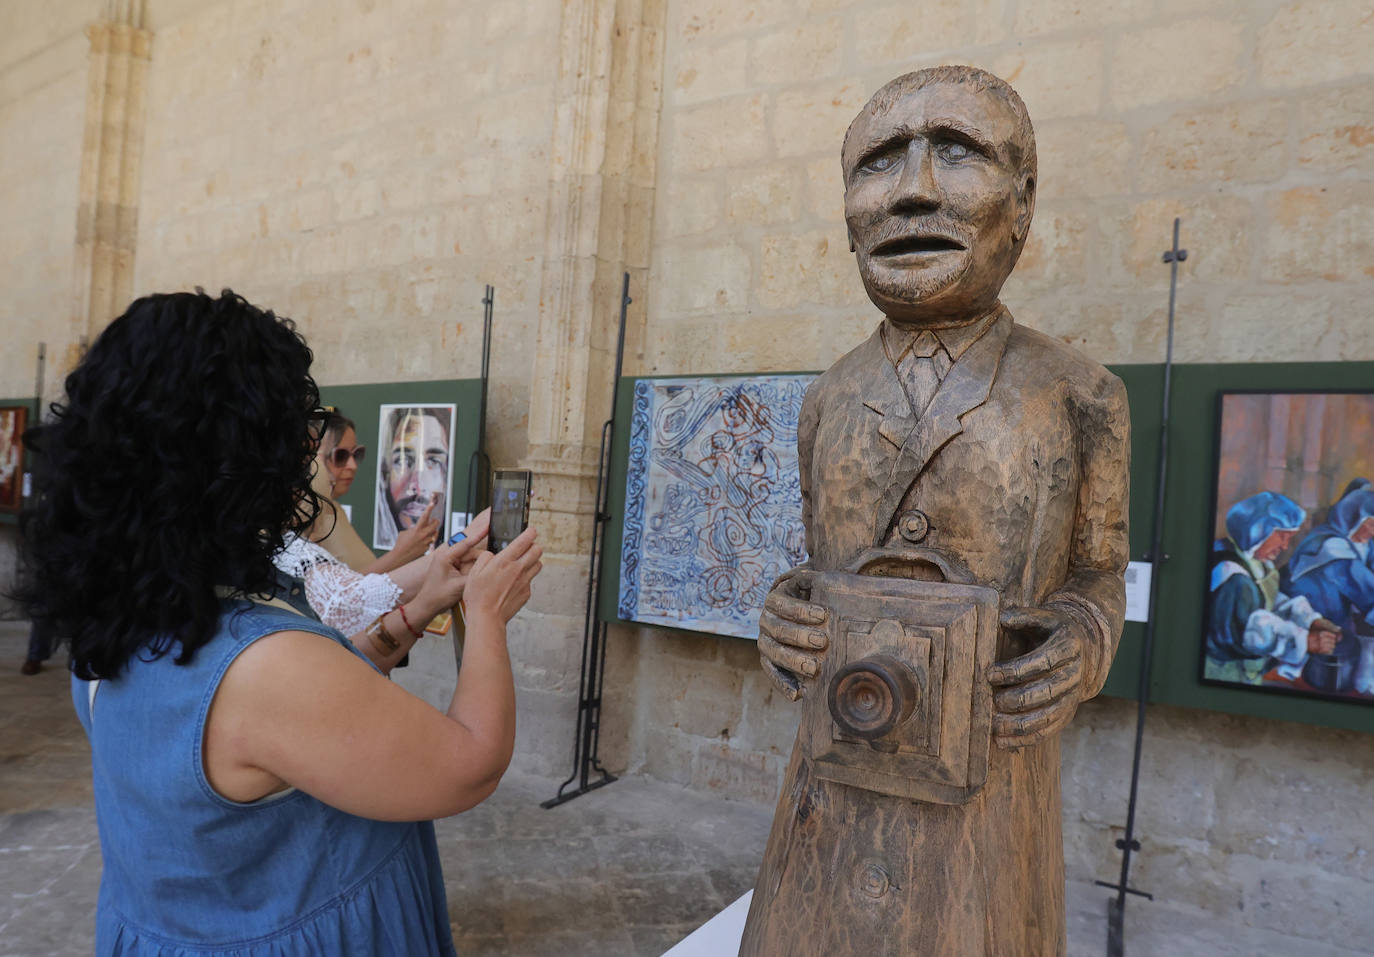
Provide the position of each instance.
(344, 599)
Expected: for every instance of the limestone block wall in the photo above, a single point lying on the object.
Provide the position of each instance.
(42, 98)
(365, 168)
(1253, 122)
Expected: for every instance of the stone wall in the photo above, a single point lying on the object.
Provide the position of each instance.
(43, 54)
(366, 166)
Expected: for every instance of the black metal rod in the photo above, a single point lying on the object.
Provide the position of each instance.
(488, 311)
(591, 681)
(38, 379)
(479, 463)
(1128, 843)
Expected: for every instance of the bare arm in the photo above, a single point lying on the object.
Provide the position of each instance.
(298, 709)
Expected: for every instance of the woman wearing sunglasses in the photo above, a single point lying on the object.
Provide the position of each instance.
(261, 787)
(336, 466)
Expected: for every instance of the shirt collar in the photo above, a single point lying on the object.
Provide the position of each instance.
(955, 339)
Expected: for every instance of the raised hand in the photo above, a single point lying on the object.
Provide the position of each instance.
(414, 542)
(499, 585)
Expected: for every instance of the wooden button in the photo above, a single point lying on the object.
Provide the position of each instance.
(913, 526)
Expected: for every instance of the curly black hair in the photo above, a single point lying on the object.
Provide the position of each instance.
(179, 460)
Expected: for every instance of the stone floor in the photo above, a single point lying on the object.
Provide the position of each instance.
(625, 871)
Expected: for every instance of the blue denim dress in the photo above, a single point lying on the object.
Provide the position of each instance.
(188, 872)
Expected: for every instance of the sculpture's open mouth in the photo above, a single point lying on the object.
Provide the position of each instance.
(918, 243)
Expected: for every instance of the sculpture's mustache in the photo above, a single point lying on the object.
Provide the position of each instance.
(925, 236)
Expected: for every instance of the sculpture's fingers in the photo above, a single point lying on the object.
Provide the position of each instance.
(784, 681)
(1042, 691)
(1019, 618)
(1014, 731)
(792, 608)
(790, 633)
(792, 659)
(1059, 649)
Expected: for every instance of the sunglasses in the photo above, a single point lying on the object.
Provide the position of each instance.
(339, 457)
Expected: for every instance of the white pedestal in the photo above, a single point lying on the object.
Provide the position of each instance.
(719, 936)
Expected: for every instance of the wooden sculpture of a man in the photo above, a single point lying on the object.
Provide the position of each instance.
(964, 487)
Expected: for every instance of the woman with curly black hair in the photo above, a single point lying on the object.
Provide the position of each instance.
(260, 786)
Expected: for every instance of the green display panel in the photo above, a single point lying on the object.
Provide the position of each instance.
(12, 518)
(1187, 537)
(362, 404)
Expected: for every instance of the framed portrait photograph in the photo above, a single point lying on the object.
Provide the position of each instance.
(13, 421)
(1290, 590)
(414, 469)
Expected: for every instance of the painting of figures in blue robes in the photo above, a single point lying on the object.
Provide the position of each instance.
(712, 500)
(1290, 590)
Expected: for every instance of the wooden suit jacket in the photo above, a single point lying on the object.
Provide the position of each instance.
(1019, 469)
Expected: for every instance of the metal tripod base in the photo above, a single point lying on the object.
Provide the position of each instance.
(563, 797)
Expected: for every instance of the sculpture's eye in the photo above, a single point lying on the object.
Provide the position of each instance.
(955, 152)
(881, 163)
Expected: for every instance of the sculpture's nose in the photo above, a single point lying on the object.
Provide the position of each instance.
(916, 189)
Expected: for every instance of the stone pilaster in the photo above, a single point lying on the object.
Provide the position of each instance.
(602, 162)
(111, 157)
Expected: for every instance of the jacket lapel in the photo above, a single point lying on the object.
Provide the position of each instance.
(965, 387)
(888, 399)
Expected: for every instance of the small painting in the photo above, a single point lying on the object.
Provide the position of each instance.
(13, 420)
(1290, 597)
(414, 469)
(712, 500)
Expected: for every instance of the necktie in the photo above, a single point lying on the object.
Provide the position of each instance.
(921, 368)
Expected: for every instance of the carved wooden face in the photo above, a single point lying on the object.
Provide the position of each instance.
(936, 208)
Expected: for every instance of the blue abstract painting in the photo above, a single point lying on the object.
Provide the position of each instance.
(712, 500)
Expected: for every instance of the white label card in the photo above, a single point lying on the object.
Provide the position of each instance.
(1138, 590)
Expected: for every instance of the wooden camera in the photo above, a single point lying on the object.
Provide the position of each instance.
(902, 705)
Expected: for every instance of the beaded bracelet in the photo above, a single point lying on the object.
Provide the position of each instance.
(409, 627)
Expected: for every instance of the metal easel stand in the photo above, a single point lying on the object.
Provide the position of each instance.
(479, 463)
(1128, 844)
(587, 738)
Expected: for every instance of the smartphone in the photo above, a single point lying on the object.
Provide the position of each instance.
(510, 506)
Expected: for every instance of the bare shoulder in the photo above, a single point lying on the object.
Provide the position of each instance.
(290, 653)
(287, 678)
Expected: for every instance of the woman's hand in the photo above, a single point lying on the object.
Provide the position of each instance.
(414, 542)
(476, 532)
(447, 576)
(499, 585)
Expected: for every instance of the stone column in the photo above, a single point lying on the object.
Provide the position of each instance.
(600, 205)
(602, 162)
(111, 157)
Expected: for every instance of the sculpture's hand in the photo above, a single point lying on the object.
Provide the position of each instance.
(791, 630)
(1036, 694)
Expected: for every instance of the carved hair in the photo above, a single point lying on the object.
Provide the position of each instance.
(1023, 142)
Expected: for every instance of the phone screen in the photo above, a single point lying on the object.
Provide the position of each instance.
(510, 500)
